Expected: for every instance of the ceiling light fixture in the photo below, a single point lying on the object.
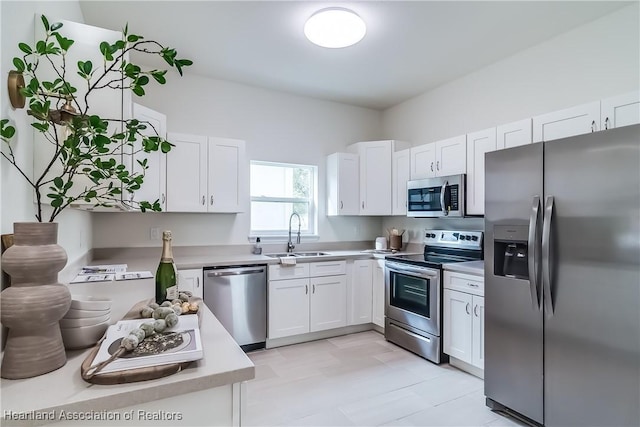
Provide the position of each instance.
(335, 27)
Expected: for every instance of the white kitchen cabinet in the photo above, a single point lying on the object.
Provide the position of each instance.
(360, 288)
(328, 302)
(154, 186)
(288, 307)
(513, 134)
(478, 143)
(228, 170)
(577, 120)
(423, 161)
(191, 280)
(400, 174)
(206, 174)
(463, 317)
(187, 173)
(309, 301)
(440, 158)
(621, 110)
(375, 177)
(343, 184)
(378, 293)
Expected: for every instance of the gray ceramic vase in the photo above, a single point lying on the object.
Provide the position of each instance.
(34, 303)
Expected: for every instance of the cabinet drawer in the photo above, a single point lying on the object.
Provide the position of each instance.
(288, 272)
(327, 268)
(464, 282)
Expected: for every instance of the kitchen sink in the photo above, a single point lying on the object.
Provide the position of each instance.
(311, 253)
(281, 255)
(296, 254)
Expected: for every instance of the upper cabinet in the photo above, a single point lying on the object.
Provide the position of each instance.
(621, 110)
(572, 121)
(343, 184)
(206, 174)
(513, 134)
(478, 143)
(400, 174)
(375, 159)
(440, 158)
(154, 186)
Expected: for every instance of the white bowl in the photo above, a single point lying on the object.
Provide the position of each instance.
(91, 303)
(81, 314)
(83, 336)
(84, 321)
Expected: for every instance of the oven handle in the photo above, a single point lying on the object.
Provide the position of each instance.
(403, 268)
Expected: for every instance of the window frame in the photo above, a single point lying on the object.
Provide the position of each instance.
(282, 235)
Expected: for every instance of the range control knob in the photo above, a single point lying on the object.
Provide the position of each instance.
(474, 238)
(462, 237)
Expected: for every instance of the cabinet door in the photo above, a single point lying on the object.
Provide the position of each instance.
(288, 307)
(400, 172)
(154, 186)
(227, 175)
(343, 184)
(328, 302)
(191, 280)
(458, 321)
(514, 134)
(375, 178)
(378, 293)
(478, 332)
(573, 121)
(621, 110)
(478, 143)
(361, 292)
(187, 173)
(451, 156)
(423, 161)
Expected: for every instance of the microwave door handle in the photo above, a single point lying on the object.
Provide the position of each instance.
(533, 252)
(442, 191)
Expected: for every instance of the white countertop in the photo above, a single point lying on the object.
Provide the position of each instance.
(471, 267)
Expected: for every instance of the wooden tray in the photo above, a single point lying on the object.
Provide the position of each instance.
(138, 374)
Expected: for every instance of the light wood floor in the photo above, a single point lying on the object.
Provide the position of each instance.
(361, 380)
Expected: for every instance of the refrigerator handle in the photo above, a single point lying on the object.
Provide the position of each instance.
(534, 253)
(546, 255)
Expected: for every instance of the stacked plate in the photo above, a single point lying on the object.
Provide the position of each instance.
(85, 322)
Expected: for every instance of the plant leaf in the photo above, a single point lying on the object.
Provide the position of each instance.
(45, 22)
(25, 48)
(19, 64)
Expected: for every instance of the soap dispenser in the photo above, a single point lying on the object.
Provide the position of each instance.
(257, 249)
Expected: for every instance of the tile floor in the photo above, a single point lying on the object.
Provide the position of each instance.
(361, 380)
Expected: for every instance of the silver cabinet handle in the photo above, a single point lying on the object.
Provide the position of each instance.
(341, 205)
(606, 123)
(203, 201)
(362, 205)
(306, 289)
(593, 126)
(534, 253)
(467, 308)
(546, 256)
(212, 200)
(438, 165)
(431, 166)
(475, 310)
(197, 282)
(314, 289)
(473, 285)
(163, 198)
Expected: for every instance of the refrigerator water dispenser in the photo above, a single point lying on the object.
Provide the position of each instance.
(511, 251)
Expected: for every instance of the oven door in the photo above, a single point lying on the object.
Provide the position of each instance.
(412, 296)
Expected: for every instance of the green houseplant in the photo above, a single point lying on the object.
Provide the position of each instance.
(87, 163)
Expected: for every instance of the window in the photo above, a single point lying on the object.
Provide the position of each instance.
(277, 191)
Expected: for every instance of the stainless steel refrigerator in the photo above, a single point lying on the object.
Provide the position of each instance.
(562, 278)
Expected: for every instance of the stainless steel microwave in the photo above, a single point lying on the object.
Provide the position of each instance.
(442, 196)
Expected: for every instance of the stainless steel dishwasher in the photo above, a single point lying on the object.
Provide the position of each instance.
(237, 296)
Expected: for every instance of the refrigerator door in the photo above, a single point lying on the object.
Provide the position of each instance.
(592, 324)
(514, 323)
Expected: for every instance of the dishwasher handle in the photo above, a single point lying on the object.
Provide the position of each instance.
(235, 271)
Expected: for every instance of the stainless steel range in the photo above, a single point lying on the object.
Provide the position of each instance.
(413, 290)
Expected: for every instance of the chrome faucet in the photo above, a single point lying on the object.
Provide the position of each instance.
(290, 244)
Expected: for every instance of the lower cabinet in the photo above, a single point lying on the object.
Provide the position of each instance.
(360, 289)
(464, 317)
(191, 280)
(307, 304)
(378, 292)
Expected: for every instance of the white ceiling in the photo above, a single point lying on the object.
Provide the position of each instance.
(410, 46)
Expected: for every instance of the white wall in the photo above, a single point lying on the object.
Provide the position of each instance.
(595, 61)
(276, 126)
(74, 232)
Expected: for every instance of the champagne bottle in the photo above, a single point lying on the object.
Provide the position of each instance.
(166, 284)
